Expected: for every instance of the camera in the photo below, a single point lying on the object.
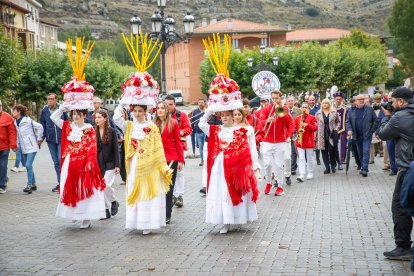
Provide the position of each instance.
(387, 105)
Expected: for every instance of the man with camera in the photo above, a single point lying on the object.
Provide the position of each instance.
(398, 124)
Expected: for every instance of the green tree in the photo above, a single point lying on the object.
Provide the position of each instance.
(43, 72)
(11, 59)
(106, 76)
(401, 27)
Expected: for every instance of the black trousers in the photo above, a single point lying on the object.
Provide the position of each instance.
(328, 157)
(318, 155)
(293, 157)
(122, 170)
(169, 195)
(403, 223)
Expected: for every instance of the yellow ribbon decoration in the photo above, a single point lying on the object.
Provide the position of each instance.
(142, 59)
(219, 54)
(79, 62)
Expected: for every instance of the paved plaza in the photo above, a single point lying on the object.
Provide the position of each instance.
(331, 225)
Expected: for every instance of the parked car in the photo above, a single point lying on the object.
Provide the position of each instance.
(255, 102)
(178, 97)
(110, 104)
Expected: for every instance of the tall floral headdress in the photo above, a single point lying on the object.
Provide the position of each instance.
(224, 92)
(78, 93)
(141, 88)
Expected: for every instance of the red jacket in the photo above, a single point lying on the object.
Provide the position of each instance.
(173, 148)
(258, 131)
(278, 131)
(308, 140)
(185, 126)
(8, 136)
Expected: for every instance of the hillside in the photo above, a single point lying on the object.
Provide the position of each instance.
(106, 18)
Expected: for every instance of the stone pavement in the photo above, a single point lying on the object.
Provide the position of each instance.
(332, 225)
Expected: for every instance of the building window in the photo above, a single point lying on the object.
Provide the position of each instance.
(235, 43)
(263, 41)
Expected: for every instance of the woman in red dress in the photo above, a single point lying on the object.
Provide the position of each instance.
(173, 149)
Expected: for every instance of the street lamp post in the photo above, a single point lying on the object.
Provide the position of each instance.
(262, 66)
(164, 30)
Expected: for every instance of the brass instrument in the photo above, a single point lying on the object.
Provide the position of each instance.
(277, 112)
(301, 129)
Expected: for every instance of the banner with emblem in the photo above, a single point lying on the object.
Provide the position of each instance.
(264, 82)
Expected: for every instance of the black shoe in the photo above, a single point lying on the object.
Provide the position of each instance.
(381, 155)
(168, 221)
(364, 173)
(34, 188)
(28, 190)
(326, 171)
(318, 162)
(340, 168)
(201, 164)
(288, 181)
(333, 170)
(122, 183)
(56, 189)
(275, 184)
(114, 208)
(400, 254)
(358, 168)
(108, 214)
(293, 172)
(203, 190)
(371, 162)
(393, 173)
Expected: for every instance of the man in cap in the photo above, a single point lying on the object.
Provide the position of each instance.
(399, 126)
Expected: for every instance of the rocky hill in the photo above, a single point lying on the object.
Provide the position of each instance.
(106, 17)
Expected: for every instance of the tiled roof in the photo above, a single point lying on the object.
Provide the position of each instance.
(237, 26)
(316, 34)
(13, 5)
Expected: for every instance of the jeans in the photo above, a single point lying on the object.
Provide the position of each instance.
(363, 146)
(4, 155)
(391, 154)
(27, 161)
(55, 153)
(18, 157)
(200, 141)
(403, 223)
(193, 142)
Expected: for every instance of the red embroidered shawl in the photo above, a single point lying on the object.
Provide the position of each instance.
(84, 174)
(238, 168)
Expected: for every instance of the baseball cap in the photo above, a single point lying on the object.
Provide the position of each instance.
(403, 93)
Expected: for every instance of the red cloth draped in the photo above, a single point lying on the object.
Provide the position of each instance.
(84, 174)
(238, 165)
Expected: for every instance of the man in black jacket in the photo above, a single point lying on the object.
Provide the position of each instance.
(361, 124)
(400, 127)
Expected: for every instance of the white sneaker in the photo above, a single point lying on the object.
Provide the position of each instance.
(225, 229)
(3, 190)
(310, 176)
(300, 178)
(85, 224)
(22, 169)
(146, 232)
(15, 169)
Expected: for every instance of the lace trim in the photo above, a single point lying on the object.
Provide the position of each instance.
(138, 130)
(77, 132)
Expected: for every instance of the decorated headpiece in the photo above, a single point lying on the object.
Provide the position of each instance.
(78, 93)
(224, 92)
(141, 88)
(339, 94)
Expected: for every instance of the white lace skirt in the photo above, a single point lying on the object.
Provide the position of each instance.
(144, 215)
(90, 208)
(219, 208)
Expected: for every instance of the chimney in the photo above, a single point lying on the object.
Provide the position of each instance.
(204, 22)
(229, 23)
(213, 21)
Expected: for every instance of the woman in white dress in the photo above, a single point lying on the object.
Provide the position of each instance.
(81, 184)
(231, 163)
(148, 175)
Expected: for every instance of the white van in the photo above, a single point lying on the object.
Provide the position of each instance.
(110, 104)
